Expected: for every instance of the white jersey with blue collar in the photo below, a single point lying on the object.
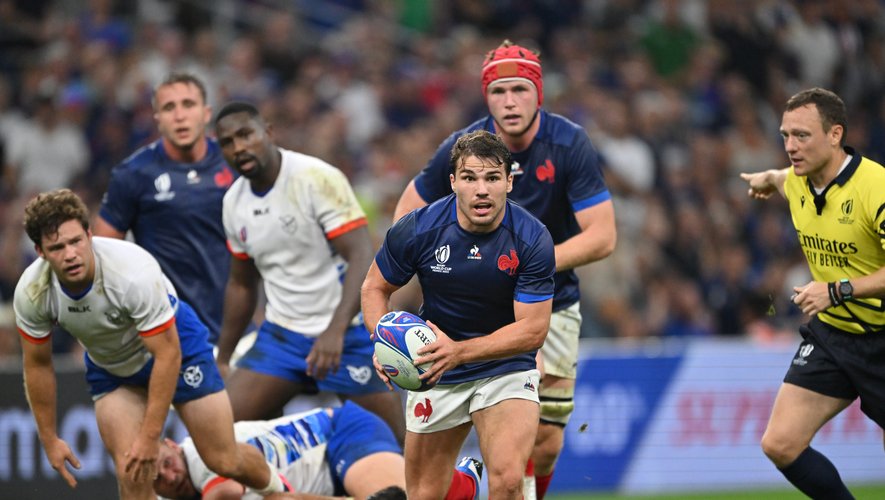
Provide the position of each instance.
(130, 298)
(287, 232)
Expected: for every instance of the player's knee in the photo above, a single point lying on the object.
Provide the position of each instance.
(223, 464)
(128, 488)
(779, 449)
(507, 480)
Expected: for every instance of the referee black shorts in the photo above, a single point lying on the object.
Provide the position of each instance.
(842, 365)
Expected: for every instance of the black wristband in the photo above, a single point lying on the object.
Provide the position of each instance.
(834, 298)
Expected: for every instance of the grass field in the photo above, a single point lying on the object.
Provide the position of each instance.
(867, 492)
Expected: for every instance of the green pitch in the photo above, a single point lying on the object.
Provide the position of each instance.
(866, 492)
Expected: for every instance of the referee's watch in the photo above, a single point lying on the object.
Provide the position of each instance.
(846, 290)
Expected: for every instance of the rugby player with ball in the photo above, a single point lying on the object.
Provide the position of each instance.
(486, 268)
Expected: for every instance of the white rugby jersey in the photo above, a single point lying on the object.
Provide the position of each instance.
(287, 231)
(129, 299)
(295, 445)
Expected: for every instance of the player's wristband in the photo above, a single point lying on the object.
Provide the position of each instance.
(834, 297)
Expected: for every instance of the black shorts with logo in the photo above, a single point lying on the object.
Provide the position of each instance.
(842, 365)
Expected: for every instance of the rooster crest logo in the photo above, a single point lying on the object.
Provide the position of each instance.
(509, 264)
(546, 172)
(423, 410)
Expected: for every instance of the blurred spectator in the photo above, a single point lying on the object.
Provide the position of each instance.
(812, 42)
(679, 95)
(669, 41)
(46, 152)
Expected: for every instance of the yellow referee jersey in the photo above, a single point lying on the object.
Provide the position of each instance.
(842, 233)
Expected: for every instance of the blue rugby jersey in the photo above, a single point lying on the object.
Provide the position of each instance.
(470, 280)
(558, 175)
(174, 212)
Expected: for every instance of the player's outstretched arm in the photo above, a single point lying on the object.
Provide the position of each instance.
(766, 183)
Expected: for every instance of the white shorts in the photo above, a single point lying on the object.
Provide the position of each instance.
(447, 406)
(560, 350)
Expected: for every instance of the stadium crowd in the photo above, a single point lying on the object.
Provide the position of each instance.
(679, 96)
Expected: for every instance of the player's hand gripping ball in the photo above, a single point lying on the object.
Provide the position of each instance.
(398, 336)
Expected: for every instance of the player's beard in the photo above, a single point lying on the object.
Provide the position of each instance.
(524, 130)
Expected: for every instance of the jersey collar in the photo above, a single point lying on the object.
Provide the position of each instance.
(820, 200)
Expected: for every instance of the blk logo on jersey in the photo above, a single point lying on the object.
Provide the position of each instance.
(509, 263)
(79, 309)
(424, 410)
(546, 172)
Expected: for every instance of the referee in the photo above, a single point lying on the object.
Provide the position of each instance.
(837, 203)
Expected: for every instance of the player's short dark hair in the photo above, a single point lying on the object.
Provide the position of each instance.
(483, 145)
(47, 211)
(389, 493)
(237, 107)
(829, 106)
(180, 77)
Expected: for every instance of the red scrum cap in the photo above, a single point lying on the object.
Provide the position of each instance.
(512, 62)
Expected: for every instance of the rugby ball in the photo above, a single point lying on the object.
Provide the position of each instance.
(398, 336)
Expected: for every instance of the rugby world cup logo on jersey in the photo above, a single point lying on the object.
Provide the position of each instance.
(163, 185)
(801, 358)
(442, 255)
(847, 208)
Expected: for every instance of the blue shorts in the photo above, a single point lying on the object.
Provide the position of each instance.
(356, 433)
(282, 353)
(198, 376)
